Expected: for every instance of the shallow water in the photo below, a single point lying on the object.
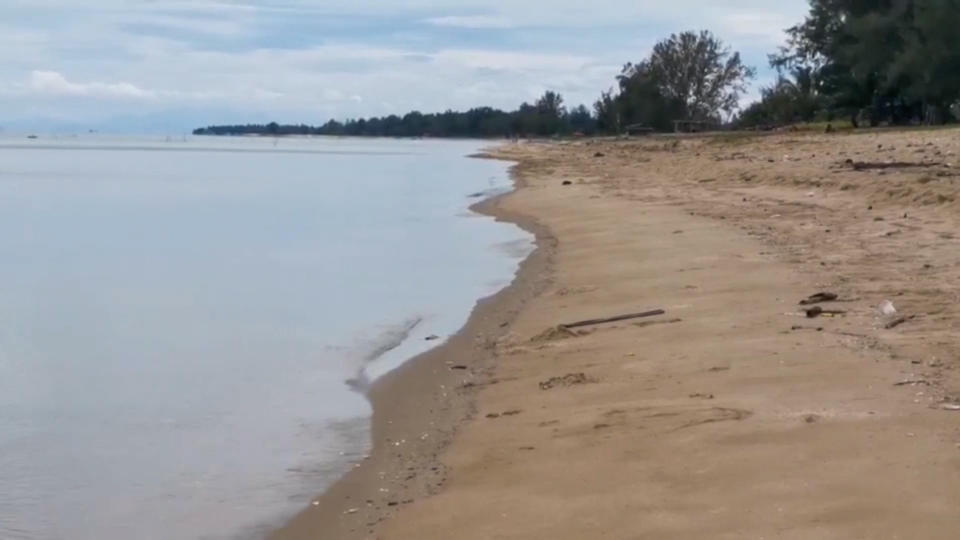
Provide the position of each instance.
(178, 319)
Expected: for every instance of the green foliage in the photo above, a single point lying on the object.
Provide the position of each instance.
(699, 72)
(642, 99)
(607, 113)
(896, 61)
(787, 101)
(547, 117)
(927, 66)
(689, 76)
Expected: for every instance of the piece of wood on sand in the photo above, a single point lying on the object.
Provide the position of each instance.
(618, 318)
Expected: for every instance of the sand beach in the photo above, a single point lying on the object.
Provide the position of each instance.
(739, 412)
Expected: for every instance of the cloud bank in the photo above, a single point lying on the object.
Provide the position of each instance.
(121, 64)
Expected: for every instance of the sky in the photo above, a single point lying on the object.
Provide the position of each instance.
(167, 66)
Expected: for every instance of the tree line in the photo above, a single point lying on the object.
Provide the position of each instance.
(871, 61)
(689, 76)
(546, 117)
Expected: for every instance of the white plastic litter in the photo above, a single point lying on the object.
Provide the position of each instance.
(886, 308)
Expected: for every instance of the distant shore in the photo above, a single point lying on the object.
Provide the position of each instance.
(736, 414)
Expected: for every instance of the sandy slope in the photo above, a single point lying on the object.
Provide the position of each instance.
(735, 416)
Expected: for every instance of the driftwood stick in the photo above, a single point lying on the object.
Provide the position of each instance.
(618, 318)
(898, 321)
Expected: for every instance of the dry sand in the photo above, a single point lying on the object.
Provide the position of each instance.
(733, 415)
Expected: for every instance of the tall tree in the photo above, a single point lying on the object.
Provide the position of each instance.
(926, 67)
(643, 100)
(700, 72)
(606, 110)
(894, 60)
(786, 101)
(581, 121)
(551, 104)
(550, 112)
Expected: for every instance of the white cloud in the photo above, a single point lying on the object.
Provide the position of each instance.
(255, 59)
(54, 84)
(516, 61)
(221, 27)
(471, 21)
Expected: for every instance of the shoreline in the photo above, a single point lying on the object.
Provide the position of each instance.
(737, 414)
(418, 408)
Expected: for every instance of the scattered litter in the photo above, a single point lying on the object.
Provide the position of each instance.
(567, 380)
(887, 308)
(950, 407)
(818, 298)
(352, 511)
(701, 396)
(431, 338)
(459, 367)
(567, 183)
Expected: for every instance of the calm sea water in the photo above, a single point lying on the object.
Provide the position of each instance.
(178, 319)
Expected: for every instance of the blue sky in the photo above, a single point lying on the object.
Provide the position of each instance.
(170, 65)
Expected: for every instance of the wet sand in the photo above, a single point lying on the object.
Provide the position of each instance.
(733, 415)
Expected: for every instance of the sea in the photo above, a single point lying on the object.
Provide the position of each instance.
(180, 317)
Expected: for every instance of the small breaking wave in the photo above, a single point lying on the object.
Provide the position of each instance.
(386, 342)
